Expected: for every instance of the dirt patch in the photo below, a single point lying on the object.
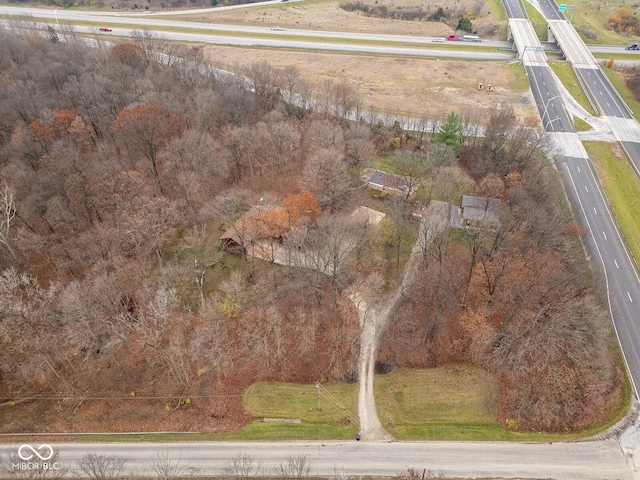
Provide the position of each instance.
(408, 86)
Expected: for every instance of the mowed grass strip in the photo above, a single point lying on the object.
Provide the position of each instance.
(334, 420)
(622, 187)
(538, 22)
(451, 402)
(567, 76)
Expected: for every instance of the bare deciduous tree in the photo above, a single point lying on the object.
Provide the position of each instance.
(100, 467)
(243, 465)
(7, 213)
(295, 467)
(53, 471)
(167, 466)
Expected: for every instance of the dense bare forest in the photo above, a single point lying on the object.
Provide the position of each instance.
(120, 172)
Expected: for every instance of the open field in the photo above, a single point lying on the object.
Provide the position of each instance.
(410, 86)
(590, 16)
(327, 15)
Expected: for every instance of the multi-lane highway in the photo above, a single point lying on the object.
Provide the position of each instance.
(608, 251)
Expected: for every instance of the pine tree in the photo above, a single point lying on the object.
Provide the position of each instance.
(450, 133)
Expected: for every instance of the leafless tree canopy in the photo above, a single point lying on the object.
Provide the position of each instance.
(100, 467)
(296, 467)
(122, 167)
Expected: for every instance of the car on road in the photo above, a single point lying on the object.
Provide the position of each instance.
(105, 29)
(633, 46)
(277, 29)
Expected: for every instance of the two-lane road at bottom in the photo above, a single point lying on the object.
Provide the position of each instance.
(609, 255)
(584, 460)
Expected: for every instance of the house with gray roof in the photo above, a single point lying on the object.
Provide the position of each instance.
(480, 211)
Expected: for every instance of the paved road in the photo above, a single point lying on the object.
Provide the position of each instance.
(570, 461)
(102, 19)
(553, 114)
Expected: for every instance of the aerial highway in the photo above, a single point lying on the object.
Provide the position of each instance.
(610, 255)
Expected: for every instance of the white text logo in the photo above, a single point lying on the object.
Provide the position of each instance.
(44, 452)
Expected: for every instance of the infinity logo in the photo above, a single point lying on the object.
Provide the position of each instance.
(44, 452)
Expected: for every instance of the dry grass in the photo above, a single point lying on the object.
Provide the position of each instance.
(412, 86)
(327, 15)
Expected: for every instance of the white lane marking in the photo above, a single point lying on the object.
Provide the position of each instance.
(578, 169)
(630, 299)
(614, 261)
(595, 211)
(586, 188)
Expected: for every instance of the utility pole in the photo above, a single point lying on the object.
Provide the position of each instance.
(318, 393)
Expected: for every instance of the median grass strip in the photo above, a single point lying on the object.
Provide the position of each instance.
(538, 22)
(567, 76)
(622, 188)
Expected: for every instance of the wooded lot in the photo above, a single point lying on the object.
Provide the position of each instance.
(119, 310)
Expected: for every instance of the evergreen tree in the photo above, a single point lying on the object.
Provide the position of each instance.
(450, 133)
(465, 24)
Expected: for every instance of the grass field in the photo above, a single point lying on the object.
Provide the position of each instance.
(446, 402)
(334, 420)
(589, 19)
(621, 187)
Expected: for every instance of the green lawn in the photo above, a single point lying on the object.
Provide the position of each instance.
(452, 402)
(581, 125)
(538, 22)
(567, 76)
(336, 418)
(622, 188)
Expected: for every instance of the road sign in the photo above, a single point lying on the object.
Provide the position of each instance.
(562, 7)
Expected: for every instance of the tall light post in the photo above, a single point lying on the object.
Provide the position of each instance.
(544, 111)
